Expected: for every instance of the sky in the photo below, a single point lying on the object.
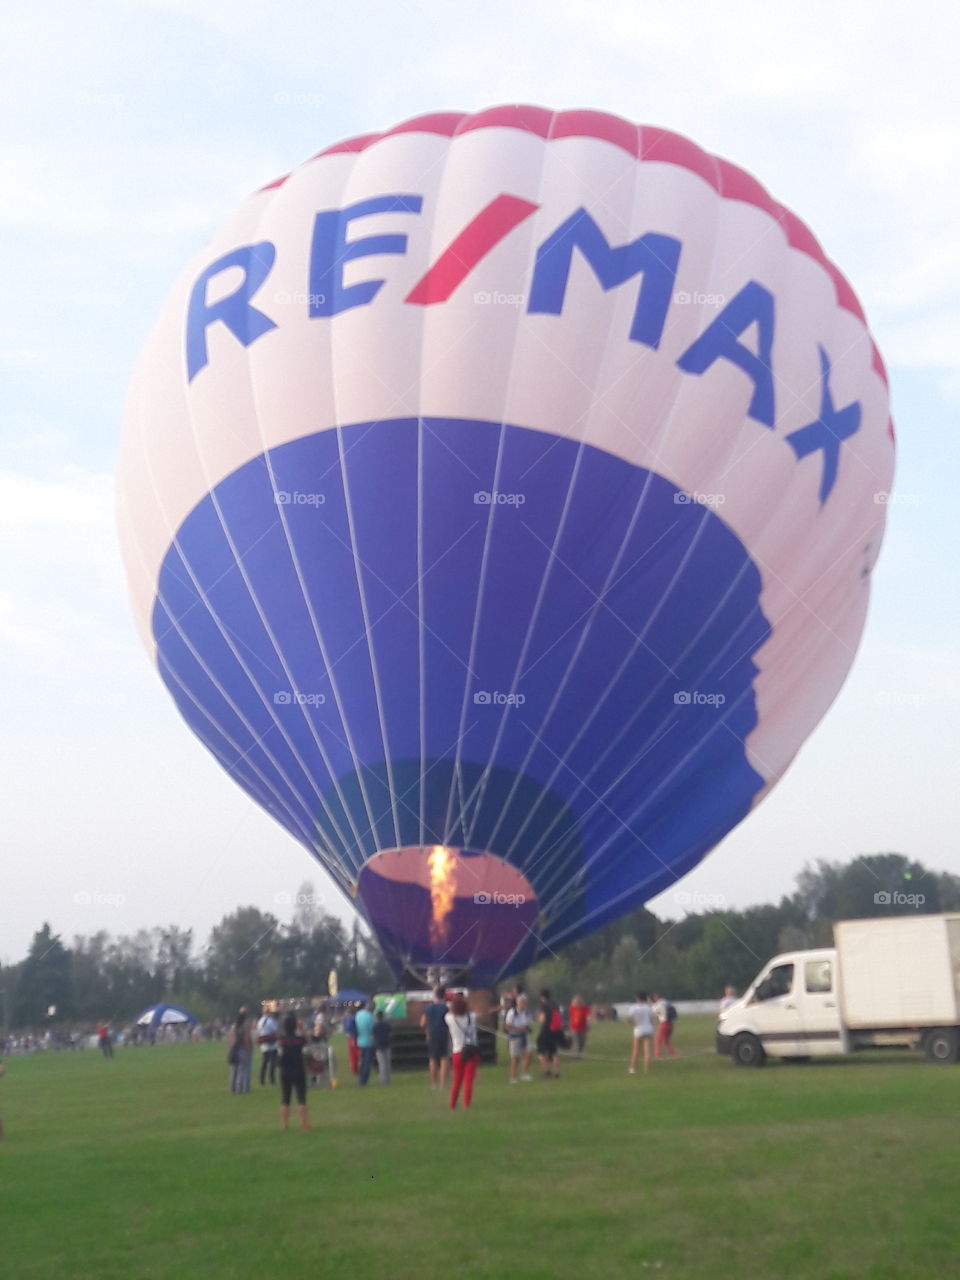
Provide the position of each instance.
(130, 131)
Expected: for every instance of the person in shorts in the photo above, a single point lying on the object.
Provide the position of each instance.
(293, 1075)
(434, 1023)
(641, 1015)
(548, 1037)
(517, 1027)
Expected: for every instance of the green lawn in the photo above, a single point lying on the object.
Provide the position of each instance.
(147, 1167)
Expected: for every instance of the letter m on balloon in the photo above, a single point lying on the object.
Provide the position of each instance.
(654, 257)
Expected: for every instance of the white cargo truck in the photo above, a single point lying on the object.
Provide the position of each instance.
(890, 983)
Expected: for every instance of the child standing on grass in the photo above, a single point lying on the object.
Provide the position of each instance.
(293, 1075)
(641, 1016)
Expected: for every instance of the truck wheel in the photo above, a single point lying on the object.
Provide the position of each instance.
(748, 1051)
(942, 1045)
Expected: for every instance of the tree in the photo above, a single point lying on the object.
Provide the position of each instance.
(43, 981)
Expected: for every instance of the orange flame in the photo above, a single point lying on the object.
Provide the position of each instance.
(442, 890)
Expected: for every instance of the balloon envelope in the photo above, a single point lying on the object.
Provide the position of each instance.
(499, 496)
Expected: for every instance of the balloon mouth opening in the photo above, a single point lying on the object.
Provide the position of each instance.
(443, 912)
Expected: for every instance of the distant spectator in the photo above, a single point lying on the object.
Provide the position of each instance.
(267, 1040)
(381, 1044)
(350, 1031)
(365, 1022)
(104, 1039)
(466, 1050)
(666, 1017)
(293, 1076)
(641, 1016)
(579, 1023)
(517, 1027)
(240, 1055)
(729, 999)
(434, 1022)
(320, 1025)
(548, 1038)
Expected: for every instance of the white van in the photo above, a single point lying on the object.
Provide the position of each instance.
(889, 983)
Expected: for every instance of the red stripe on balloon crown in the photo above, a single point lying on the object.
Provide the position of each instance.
(644, 143)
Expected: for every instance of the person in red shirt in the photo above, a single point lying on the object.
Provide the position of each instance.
(579, 1023)
(104, 1039)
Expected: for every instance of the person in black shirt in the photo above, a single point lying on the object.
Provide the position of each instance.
(293, 1076)
(381, 1044)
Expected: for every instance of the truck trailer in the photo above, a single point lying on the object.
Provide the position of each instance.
(887, 983)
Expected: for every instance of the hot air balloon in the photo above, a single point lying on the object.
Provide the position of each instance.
(499, 495)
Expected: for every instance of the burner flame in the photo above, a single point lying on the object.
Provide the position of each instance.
(442, 891)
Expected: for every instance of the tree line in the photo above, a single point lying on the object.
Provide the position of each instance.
(251, 954)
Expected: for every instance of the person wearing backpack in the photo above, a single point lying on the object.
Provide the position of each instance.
(466, 1050)
(666, 1016)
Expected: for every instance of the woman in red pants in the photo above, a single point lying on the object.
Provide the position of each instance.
(466, 1052)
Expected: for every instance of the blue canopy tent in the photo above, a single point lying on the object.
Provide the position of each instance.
(164, 1015)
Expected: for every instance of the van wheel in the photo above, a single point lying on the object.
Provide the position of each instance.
(748, 1051)
(942, 1045)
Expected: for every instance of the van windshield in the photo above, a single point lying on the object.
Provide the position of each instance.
(778, 982)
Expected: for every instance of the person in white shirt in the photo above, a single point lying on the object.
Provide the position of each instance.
(517, 1026)
(730, 998)
(641, 1016)
(466, 1053)
(267, 1040)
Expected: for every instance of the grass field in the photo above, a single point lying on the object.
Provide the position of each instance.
(147, 1167)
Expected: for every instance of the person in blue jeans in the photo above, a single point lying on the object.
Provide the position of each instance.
(365, 1043)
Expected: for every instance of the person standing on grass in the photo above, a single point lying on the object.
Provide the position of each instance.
(517, 1027)
(267, 1040)
(240, 1055)
(641, 1016)
(293, 1075)
(365, 1021)
(548, 1038)
(434, 1023)
(3, 1072)
(104, 1039)
(381, 1044)
(666, 1017)
(730, 998)
(466, 1050)
(350, 1031)
(579, 1022)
